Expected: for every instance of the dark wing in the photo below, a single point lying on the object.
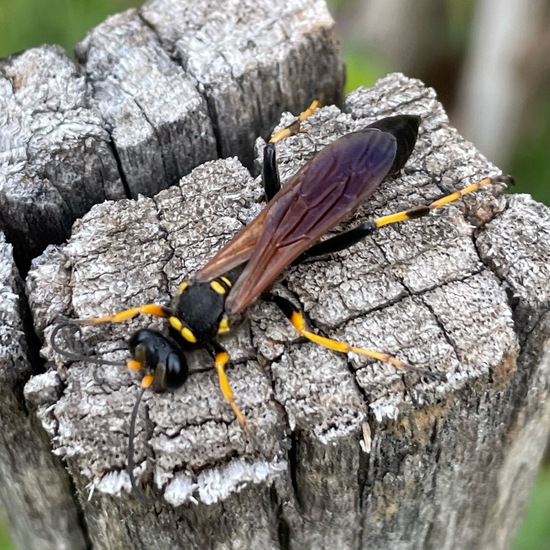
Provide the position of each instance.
(236, 252)
(323, 192)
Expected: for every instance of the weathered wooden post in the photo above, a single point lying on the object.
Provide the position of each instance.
(345, 453)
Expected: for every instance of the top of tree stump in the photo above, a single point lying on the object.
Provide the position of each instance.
(154, 93)
(420, 290)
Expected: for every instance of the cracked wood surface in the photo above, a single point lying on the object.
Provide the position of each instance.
(154, 92)
(346, 453)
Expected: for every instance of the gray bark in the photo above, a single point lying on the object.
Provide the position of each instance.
(132, 115)
(56, 158)
(345, 453)
(154, 93)
(35, 488)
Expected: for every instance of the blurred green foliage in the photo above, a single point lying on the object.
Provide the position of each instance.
(5, 539)
(534, 532)
(28, 23)
(530, 163)
(361, 71)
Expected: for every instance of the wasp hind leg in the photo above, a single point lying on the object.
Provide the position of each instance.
(297, 320)
(270, 172)
(348, 238)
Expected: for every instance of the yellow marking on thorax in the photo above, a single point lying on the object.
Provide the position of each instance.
(182, 287)
(186, 332)
(217, 287)
(223, 327)
(226, 281)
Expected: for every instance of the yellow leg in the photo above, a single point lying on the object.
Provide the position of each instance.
(315, 104)
(423, 210)
(147, 380)
(147, 309)
(461, 193)
(298, 322)
(294, 127)
(134, 364)
(222, 358)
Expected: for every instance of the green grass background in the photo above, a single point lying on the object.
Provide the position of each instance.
(28, 23)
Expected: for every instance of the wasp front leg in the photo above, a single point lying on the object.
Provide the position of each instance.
(154, 310)
(221, 358)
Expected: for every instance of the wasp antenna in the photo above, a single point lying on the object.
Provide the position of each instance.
(131, 436)
(67, 325)
(74, 327)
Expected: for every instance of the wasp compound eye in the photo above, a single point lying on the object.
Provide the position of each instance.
(176, 369)
(160, 357)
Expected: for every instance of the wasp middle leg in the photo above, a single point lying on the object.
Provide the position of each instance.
(297, 320)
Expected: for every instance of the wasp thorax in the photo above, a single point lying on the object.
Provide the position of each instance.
(199, 312)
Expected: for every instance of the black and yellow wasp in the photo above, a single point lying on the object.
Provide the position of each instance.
(326, 190)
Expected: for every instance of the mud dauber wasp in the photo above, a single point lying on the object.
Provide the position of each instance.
(326, 190)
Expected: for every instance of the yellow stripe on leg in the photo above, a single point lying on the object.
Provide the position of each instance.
(393, 218)
(147, 381)
(298, 322)
(133, 364)
(459, 194)
(315, 104)
(147, 309)
(422, 210)
(222, 358)
(295, 127)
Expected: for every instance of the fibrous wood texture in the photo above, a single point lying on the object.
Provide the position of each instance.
(154, 93)
(345, 453)
(136, 111)
(34, 486)
(56, 158)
